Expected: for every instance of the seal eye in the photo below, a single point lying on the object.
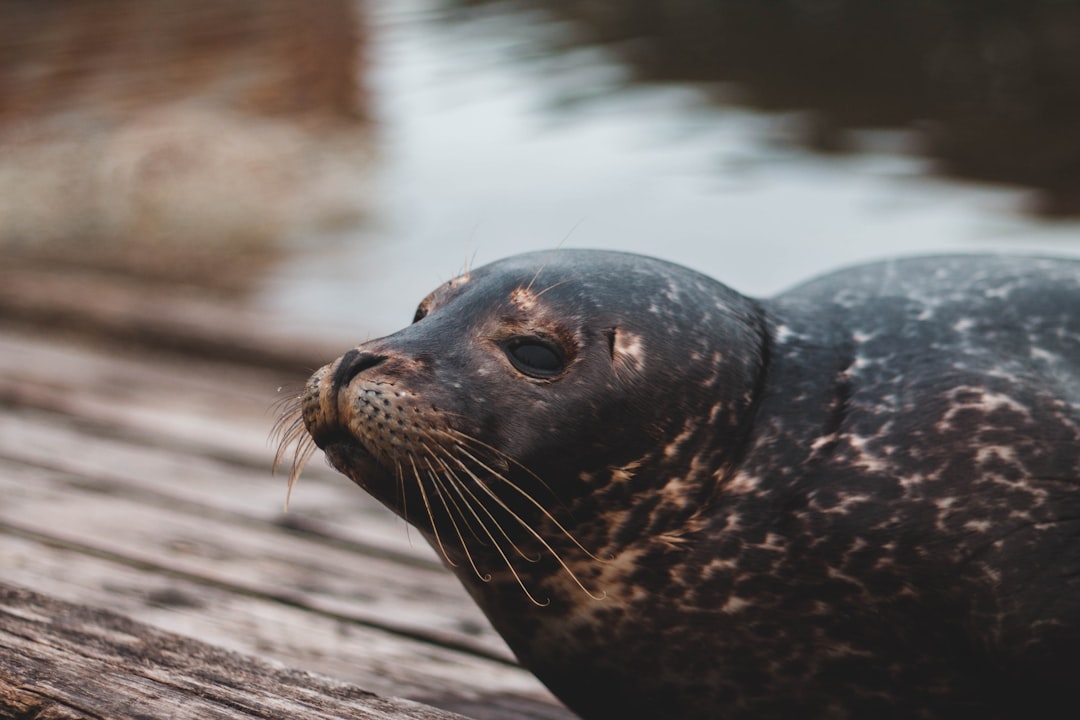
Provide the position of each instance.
(421, 312)
(535, 357)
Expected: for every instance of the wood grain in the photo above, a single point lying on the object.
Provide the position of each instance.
(62, 660)
(140, 484)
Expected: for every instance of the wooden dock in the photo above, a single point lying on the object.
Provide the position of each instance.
(148, 566)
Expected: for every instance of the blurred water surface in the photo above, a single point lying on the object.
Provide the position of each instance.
(489, 144)
(340, 158)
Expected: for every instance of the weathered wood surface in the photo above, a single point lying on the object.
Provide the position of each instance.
(63, 661)
(140, 482)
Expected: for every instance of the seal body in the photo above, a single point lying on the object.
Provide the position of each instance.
(860, 498)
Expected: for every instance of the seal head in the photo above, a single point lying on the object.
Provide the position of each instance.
(851, 500)
(545, 374)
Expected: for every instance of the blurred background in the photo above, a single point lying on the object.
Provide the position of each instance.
(326, 163)
(203, 201)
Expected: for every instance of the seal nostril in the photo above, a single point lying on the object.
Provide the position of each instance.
(352, 364)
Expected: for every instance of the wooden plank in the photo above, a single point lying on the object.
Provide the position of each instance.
(119, 496)
(251, 558)
(137, 418)
(65, 661)
(376, 660)
(145, 487)
(227, 408)
(133, 466)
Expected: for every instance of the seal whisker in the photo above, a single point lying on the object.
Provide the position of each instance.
(305, 448)
(470, 259)
(551, 253)
(532, 531)
(292, 432)
(290, 415)
(431, 515)
(484, 577)
(404, 499)
(506, 559)
(461, 437)
(459, 487)
(552, 286)
(536, 275)
(532, 500)
(287, 407)
(494, 542)
(291, 437)
(456, 484)
(288, 429)
(478, 502)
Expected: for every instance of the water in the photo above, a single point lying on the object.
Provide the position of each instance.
(489, 145)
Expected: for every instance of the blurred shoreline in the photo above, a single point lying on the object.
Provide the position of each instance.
(990, 90)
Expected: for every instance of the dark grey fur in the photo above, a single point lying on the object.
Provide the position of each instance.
(859, 499)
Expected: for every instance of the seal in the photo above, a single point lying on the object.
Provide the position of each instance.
(857, 499)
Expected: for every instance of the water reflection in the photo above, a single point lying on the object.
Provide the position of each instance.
(490, 143)
(181, 143)
(993, 88)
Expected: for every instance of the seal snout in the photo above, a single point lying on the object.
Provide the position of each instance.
(322, 410)
(352, 364)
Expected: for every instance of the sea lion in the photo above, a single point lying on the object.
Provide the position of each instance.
(857, 499)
